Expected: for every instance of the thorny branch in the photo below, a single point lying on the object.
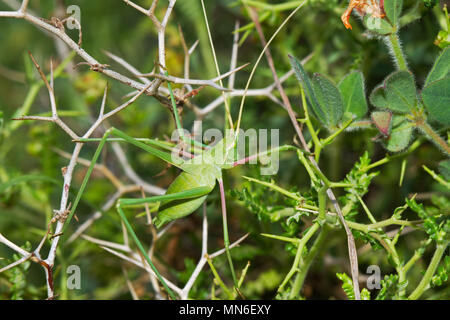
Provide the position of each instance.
(68, 171)
(151, 88)
(350, 240)
(143, 85)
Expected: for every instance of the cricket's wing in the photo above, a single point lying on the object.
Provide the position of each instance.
(178, 208)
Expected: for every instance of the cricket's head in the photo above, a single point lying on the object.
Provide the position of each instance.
(221, 155)
(225, 152)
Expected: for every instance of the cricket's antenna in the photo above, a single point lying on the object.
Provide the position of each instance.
(227, 105)
(241, 108)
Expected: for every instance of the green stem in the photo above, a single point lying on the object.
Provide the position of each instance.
(397, 51)
(417, 255)
(366, 209)
(322, 197)
(218, 279)
(333, 136)
(312, 230)
(433, 136)
(306, 263)
(273, 7)
(294, 241)
(244, 273)
(385, 242)
(225, 232)
(437, 177)
(424, 283)
(317, 143)
(308, 168)
(340, 185)
(388, 158)
(381, 224)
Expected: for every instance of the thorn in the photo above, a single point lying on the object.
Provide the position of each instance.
(56, 235)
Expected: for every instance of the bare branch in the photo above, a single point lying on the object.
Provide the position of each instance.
(127, 66)
(13, 246)
(108, 244)
(210, 82)
(143, 265)
(24, 6)
(16, 263)
(133, 293)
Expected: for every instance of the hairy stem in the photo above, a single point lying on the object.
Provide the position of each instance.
(396, 51)
(434, 137)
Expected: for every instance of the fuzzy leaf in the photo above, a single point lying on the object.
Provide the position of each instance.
(393, 9)
(329, 99)
(400, 91)
(305, 81)
(401, 134)
(436, 98)
(377, 25)
(377, 97)
(383, 121)
(397, 93)
(353, 96)
(441, 67)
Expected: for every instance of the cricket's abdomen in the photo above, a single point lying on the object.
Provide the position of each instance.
(175, 209)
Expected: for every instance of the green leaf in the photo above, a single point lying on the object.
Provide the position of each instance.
(401, 134)
(393, 9)
(329, 99)
(347, 285)
(383, 121)
(442, 39)
(397, 93)
(413, 14)
(444, 169)
(377, 97)
(436, 98)
(441, 67)
(400, 91)
(305, 81)
(365, 294)
(377, 25)
(353, 95)
(390, 287)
